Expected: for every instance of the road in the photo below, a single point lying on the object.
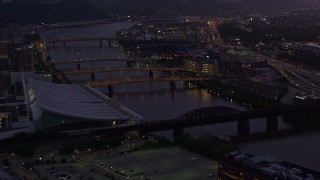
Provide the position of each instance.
(306, 80)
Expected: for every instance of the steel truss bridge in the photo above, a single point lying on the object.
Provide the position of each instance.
(108, 69)
(112, 59)
(77, 39)
(138, 80)
(212, 115)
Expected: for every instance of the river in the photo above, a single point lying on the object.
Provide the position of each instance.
(155, 101)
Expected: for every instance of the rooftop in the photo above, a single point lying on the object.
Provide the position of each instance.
(267, 166)
(241, 52)
(82, 102)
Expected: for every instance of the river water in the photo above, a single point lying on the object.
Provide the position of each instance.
(155, 101)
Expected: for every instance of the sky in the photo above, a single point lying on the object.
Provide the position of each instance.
(78, 9)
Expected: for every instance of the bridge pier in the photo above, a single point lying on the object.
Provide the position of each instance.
(150, 74)
(177, 132)
(272, 125)
(172, 85)
(93, 77)
(243, 128)
(110, 90)
(109, 42)
(100, 41)
(78, 65)
(297, 120)
(53, 44)
(64, 44)
(128, 63)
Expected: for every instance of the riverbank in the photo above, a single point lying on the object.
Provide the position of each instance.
(239, 95)
(68, 24)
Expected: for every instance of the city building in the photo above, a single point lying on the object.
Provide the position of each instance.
(4, 81)
(4, 63)
(237, 165)
(15, 56)
(240, 60)
(4, 45)
(22, 59)
(4, 120)
(201, 65)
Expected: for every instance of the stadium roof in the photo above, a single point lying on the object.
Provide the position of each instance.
(71, 100)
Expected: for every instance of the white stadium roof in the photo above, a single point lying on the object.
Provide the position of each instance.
(75, 101)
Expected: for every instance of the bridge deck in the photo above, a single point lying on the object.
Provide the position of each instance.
(108, 69)
(137, 80)
(91, 60)
(80, 39)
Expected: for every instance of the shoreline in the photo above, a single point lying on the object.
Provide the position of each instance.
(68, 24)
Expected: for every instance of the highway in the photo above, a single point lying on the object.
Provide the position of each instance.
(304, 79)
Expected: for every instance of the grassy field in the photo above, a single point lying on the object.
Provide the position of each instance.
(166, 163)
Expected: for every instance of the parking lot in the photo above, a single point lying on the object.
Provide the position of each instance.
(167, 163)
(70, 171)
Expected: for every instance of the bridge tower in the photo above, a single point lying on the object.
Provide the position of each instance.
(93, 77)
(78, 65)
(110, 90)
(150, 71)
(177, 132)
(172, 85)
(129, 62)
(109, 42)
(150, 74)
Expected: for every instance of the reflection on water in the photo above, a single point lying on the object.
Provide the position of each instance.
(155, 101)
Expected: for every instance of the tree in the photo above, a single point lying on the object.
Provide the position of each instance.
(63, 160)
(6, 162)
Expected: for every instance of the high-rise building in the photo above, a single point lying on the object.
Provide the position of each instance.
(4, 48)
(21, 59)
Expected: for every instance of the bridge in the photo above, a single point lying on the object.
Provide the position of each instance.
(111, 83)
(106, 59)
(79, 39)
(112, 59)
(213, 115)
(91, 60)
(108, 69)
(160, 12)
(137, 80)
